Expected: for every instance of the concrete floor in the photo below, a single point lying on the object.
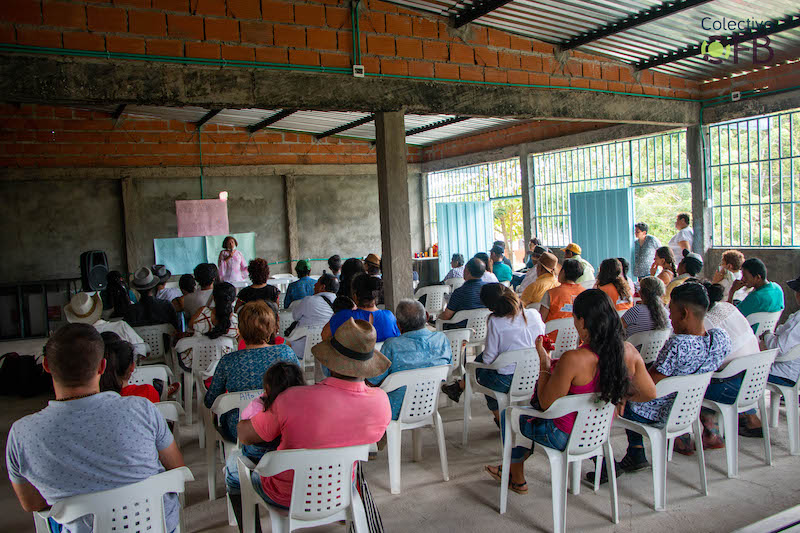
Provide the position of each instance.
(469, 501)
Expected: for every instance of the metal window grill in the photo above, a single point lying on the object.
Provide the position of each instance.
(489, 181)
(642, 161)
(753, 173)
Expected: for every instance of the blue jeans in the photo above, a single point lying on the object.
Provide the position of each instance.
(492, 380)
(538, 430)
(254, 452)
(724, 390)
(635, 440)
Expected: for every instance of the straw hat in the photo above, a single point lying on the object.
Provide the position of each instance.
(144, 279)
(548, 261)
(84, 308)
(351, 352)
(373, 260)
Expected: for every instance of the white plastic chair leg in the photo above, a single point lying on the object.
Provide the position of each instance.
(658, 452)
(608, 452)
(393, 437)
(211, 461)
(792, 414)
(670, 448)
(508, 444)
(575, 477)
(359, 514)
(231, 514)
(467, 410)
(416, 442)
(598, 470)
(730, 420)
(697, 428)
(558, 489)
(762, 407)
(774, 408)
(438, 427)
(248, 501)
(188, 385)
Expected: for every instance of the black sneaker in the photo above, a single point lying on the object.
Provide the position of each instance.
(629, 464)
(452, 390)
(603, 474)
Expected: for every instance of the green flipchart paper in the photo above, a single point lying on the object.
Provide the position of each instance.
(181, 254)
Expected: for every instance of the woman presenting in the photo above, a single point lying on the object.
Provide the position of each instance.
(231, 263)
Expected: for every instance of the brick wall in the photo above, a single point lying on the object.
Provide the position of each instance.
(775, 77)
(394, 41)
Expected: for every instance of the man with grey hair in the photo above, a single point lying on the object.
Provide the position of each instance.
(416, 347)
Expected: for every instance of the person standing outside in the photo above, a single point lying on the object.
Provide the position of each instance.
(684, 238)
(231, 263)
(644, 248)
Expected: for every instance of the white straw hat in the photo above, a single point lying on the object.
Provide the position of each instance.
(84, 308)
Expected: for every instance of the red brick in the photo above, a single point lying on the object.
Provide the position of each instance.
(518, 76)
(107, 19)
(337, 17)
(84, 41)
(371, 64)
(610, 72)
(479, 35)
(380, 45)
(421, 69)
(171, 5)
(37, 37)
(425, 28)
(64, 15)
(579, 82)
(519, 43)
(373, 22)
(616, 86)
(509, 61)
(598, 84)
(277, 11)
(625, 74)
(395, 67)
(435, 51)
(237, 53)
(164, 47)
(573, 68)
(319, 39)
(538, 78)
(208, 7)
(633, 88)
(542, 48)
(309, 14)
(494, 75)
(7, 34)
(531, 63)
(344, 41)
(559, 80)
(244, 9)
(21, 11)
(446, 70)
(124, 45)
(133, 3)
(646, 77)
(204, 50)
(654, 90)
(289, 36)
(327, 59)
(227, 30)
(186, 27)
(592, 70)
(303, 57)
(147, 23)
(411, 48)
(471, 73)
(461, 53)
(660, 79)
(399, 25)
(485, 57)
(498, 38)
(266, 54)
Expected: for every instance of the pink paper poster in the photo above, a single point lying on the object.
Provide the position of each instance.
(199, 218)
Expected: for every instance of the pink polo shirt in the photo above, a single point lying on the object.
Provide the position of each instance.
(330, 414)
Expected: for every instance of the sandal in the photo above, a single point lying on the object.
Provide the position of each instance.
(683, 447)
(173, 388)
(519, 488)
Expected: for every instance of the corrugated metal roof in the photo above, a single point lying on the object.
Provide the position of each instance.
(554, 21)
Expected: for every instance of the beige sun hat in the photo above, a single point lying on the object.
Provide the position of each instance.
(351, 352)
(84, 308)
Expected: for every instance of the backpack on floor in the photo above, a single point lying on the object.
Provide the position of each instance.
(21, 375)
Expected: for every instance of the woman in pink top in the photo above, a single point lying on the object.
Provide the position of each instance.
(231, 263)
(604, 363)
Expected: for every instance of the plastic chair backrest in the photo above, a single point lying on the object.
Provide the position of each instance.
(649, 343)
(588, 284)
(137, 507)
(791, 355)
(526, 371)
(323, 478)
(234, 400)
(689, 392)
(144, 375)
(458, 344)
(592, 423)
(454, 283)
(434, 301)
(567, 335)
(765, 321)
(422, 391)
(756, 367)
(205, 351)
(154, 337)
(171, 411)
(284, 276)
(313, 337)
(477, 321)
(285, 317)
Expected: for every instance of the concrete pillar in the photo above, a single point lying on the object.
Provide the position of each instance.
(701, 212)
(290, 197)
(394, 206)
(527, 205)
(131, 223)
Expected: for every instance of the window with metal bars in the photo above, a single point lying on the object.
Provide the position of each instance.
(644, 161)
(753, 177)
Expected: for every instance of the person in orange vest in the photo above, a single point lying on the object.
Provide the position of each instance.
(557, 302)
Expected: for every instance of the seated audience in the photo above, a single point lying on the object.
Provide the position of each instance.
(645, 247)
(350, 268)
(557, 302)
(499, 268)
(150, 310)
(258, 270)
(546, 279)
(730, 270)
(372, 264)
(766, 296)
(301, 288)
(611, 281)
(663, 266)
(468, 296)
(488, 275)
(456, 267)
(187, 285)
(335, 264)
(342, 303)
(506, 260)
(218, 320)
(231, 263)
(162, 291)
(649, 314)
(315, 310)
(366, 289)
(510, 327)
(533, 271)
(725, 316)
(532, 257)
(86, 441)
(625, 268)
(689, 267)
(339, 411)
(205, 274)
(573, 251)
(416, 347)
(117, 296)
(86, 308)
(603, 364)
(120, 364)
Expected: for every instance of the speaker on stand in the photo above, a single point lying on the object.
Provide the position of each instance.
(94, 269)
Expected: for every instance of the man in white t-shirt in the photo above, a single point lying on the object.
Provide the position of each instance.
(684, 238)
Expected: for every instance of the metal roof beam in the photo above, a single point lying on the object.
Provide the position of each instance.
(787, 23)
(208, 116)
(429, 127)
(478, 9)
(118, 112)
(280, 115)
(345, 127)
(631, 21)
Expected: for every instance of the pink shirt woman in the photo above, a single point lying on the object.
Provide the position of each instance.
(231, 263)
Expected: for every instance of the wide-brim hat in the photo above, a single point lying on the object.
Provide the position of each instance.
(548, 261)
(794, 284)
(161, 272)
(84, 308)
(144, 279)
(373, 260)
(351, 352)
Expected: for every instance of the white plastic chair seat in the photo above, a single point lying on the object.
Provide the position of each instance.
(113, 509)
(766, 321)
(526, 374)
(751, 394)
(205, 352)
(649, 343)
(458, 348)
(434, 298)
(790, 395)
(172, 412)
(144, 375)
(322, 490)
(589, 438)
(419, 409)
(684, 417)
(567, 338)
(477, 321)
(157, 338)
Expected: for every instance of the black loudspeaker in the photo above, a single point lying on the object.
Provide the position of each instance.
(94, 269)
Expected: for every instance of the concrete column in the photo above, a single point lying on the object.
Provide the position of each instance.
(290, 197)
(394, 206)
(427, 238)
(701, 212)
(527, 205)
(134, 244)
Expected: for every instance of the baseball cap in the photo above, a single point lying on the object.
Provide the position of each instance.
(574, 248)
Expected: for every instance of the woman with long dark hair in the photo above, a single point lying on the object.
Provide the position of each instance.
(350, 268)
(611, 281)
(603, 364)
(649, 314)
(365, 290)
(219, 320)
(666, 262)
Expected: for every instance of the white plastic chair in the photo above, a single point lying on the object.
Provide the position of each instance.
(135, 507)
(454, 283)
(505, 283)
(285, 318)
(790, 395)
(312, 336)
(419, 410)
(458, 348)
(322, 490)
(434, 298)
(765, 321)
(589, 438)
(649, 343)
(526, 374)
(205, 352)
(683, 418)
(285, 276)
(756, 371)
(144, 375)
(172, 412)
(476, 321)
(536, 306)
(157, 338)
(567, 338)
